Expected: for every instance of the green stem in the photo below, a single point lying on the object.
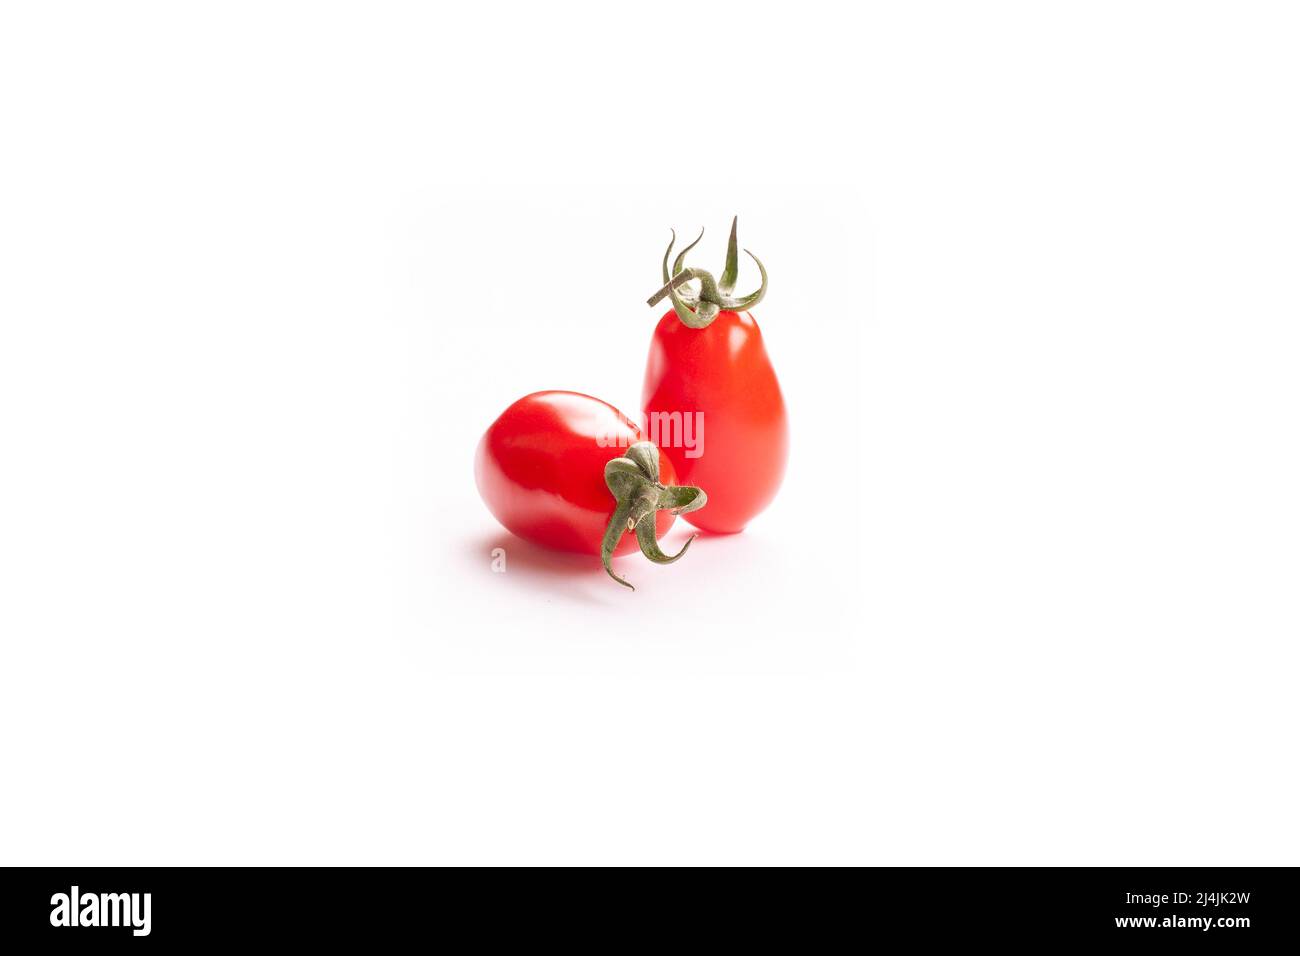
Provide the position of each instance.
(645, 536)
(613, 535)
(697, 311)
(731, 269)
(676, 282)
(633, 478)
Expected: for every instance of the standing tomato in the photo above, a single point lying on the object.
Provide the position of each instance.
(568, 471)
(709, 378)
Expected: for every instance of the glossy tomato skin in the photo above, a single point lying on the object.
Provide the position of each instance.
(540, 468)
(723, 371)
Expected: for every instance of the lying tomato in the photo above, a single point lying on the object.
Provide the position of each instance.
(568, 471)
(708, 365)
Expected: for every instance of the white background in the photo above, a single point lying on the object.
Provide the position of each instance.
(1028, 596)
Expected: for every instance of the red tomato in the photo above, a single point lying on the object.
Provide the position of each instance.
(723, 372)
(546, 469)
(718, 367)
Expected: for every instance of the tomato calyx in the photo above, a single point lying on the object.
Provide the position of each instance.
(697, 308)
(633, 478)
